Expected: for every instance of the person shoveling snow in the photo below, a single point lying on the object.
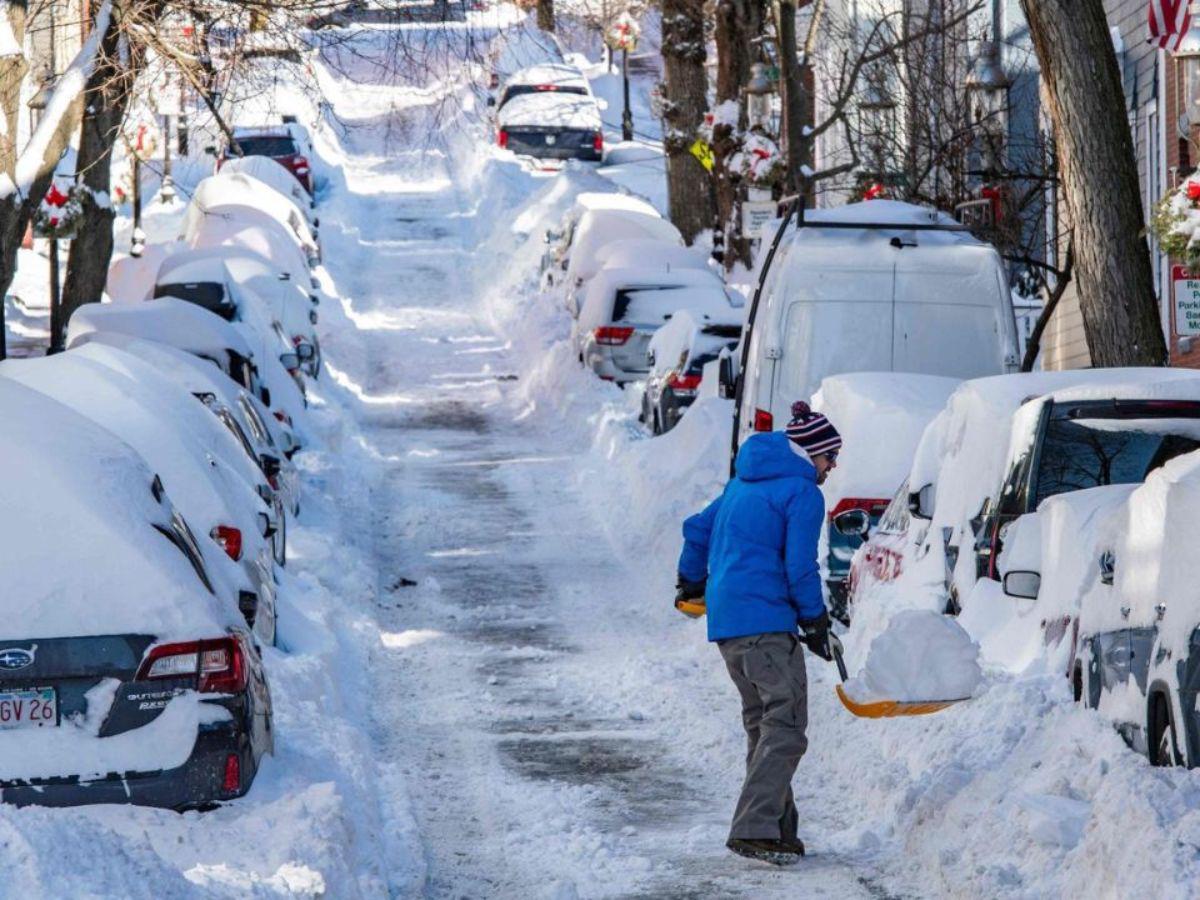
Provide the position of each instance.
(752, 555)
(922, 662)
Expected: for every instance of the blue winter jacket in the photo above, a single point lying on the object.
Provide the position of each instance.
(757, 543)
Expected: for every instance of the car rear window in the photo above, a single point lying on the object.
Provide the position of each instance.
(518, 89)
(653, 305)
(1088, 447)
(268, 145)
(209, 295)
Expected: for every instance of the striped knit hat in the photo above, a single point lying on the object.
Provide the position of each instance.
(811, 431)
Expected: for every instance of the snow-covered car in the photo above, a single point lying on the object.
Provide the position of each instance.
(879, 286)
(206, 336)
(560, 240)
(881, 417)
(233, 194)
(678, 353)
(275, 176)
(262, 438)
(623, 308)
(260, 234)
(598, 227)
(550, 124)
(628, 253)
(125, 678)
(275, 142)
(174, 435)
(289, 304)
(1001, 448)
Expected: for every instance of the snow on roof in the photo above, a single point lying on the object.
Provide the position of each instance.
(628, 252)
(549, 73)
(551, 110)
(255, 231)
(115, 574)
(238, 194)
(598, 227)
(193, 265)
(709, 295)
(272, 174)
(172, 321)
(1140, 383)
(680, 339)
(159, 420)
(881, 212)
(612, 200)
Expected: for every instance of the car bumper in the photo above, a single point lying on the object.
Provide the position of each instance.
(197, 783)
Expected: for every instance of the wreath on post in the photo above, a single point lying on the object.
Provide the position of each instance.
(1176, 222)
(60, 215)
(758, 161)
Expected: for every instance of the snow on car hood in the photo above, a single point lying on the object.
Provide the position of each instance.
(273, 175)
(551, 110)
(236, 193)
(78, 541)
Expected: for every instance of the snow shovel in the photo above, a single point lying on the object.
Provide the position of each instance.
(882, 709)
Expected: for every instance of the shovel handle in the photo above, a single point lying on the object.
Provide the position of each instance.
(836, 646)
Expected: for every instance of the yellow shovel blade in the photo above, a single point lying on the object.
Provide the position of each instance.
(882, 709)
(693, 609)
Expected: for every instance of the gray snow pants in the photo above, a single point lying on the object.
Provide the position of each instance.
(768, 670)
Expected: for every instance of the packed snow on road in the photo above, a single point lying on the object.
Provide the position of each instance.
(341, 539)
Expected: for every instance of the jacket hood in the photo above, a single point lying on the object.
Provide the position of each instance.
(767, 456)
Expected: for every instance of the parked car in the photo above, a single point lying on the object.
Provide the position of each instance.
(167, 436)
(881, 417)
(560, 240)
(127, 679)
(275, 142)
(678, 353)
(878, 286)
(278, 177)
(238, 195)
(258, 433)
(598, 227)
(623, 308)
(546, 78)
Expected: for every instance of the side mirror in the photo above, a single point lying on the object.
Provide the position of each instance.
(265, 526)
(270, 465)
(305, 351)
(290, 361)
(726, 383)
(1024, 585)
(853, 523)
(920, 503)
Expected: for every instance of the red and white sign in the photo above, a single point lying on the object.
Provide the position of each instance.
(1186, 286)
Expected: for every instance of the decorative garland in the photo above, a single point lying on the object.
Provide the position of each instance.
(60, 215)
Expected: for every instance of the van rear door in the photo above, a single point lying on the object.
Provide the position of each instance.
(951, 304)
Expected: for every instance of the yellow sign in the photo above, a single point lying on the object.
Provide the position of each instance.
(703, 152)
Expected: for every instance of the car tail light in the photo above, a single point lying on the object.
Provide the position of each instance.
(613, 335)
(283, 417)
(273, 481)
(763, 420)
(598, 142)
(300, 165)
(219, 666)
(228, 539)
(871, 505)
(502, 138)
(232, 782)
(684, 385)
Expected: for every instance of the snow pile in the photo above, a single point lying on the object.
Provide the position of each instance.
(921, 656)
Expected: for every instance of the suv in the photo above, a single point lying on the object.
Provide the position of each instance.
(276, 142)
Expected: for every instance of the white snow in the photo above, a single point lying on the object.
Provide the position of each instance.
(921, 656)
(550, 110)
(167, 319)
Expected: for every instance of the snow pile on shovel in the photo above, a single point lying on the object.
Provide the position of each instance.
(922, 655)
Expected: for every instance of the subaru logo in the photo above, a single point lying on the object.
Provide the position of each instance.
(15, 658)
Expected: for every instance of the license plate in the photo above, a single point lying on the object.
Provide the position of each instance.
(32, 708)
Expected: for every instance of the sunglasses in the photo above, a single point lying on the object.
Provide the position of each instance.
(832, 456)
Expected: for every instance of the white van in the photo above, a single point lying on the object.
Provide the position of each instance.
(879, 286)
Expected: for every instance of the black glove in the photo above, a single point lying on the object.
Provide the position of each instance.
(689, 590)
(816, 635)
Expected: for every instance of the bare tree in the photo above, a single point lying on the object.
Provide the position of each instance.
(689, 188)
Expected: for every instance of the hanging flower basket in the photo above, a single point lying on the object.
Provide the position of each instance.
(60, 215)
(1176, 222)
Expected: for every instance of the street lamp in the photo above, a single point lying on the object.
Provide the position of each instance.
(623, 36)
(759, 89)
(987, 87)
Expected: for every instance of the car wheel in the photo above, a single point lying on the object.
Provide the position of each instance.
(1161, 734)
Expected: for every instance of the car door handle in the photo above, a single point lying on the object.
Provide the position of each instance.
(1125, 612)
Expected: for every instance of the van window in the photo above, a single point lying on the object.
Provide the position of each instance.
(830, 338)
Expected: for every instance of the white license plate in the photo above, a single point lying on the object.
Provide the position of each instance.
(31, 708)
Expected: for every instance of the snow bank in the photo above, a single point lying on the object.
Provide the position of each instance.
(921, 656)
(168, 320)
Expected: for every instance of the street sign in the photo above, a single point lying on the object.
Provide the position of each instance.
(703, 152)
(755, 215)
(1187, 301)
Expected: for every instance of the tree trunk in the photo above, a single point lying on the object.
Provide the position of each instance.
(545, 15)
(12, 73)
(738, 23)
(689, 185)
(796, 113)
(1100, 183)
(106, 99)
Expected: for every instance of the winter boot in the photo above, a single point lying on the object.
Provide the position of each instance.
(777, 853)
